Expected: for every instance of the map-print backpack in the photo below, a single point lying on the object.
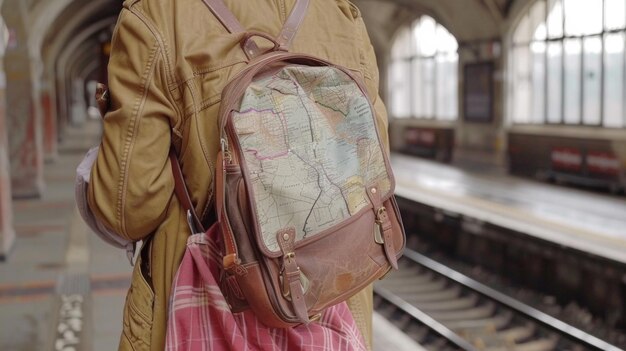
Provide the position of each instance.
(304, 189)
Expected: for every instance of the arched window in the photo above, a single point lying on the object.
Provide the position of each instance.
(422, 76)
(568, 64)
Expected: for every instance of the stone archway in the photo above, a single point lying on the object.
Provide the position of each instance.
(7, 233)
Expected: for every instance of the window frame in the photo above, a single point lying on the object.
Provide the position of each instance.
(562, 38)
(415, 61)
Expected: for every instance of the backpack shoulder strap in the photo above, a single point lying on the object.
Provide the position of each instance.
(230, 22)
(223, 14)
(292, 24)
(180, 188)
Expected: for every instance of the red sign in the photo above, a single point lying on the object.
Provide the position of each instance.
(568, 159)
(422, 137)
(603, 163)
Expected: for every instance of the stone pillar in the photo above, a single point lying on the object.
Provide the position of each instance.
(78, 106)
(50, 139)
(7, 233)
(24, 120)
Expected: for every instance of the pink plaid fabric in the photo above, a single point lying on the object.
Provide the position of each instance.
(200, 319)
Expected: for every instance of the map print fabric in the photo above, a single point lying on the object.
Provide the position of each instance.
(310, 147)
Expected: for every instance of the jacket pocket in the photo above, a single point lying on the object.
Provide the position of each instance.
(138, 311)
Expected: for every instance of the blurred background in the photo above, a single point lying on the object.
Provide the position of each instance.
(508, 138)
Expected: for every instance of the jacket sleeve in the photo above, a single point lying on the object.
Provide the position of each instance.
(372, 80)
(131, 181)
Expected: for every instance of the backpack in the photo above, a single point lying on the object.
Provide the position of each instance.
(304, 188)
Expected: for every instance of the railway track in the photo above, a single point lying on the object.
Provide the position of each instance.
(446, 310)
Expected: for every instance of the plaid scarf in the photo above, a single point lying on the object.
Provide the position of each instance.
(200, 319)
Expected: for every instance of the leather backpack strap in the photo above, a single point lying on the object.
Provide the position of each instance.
(288, 32)
(292, 24)
(182, 193)
(232, 25)
(223, 14)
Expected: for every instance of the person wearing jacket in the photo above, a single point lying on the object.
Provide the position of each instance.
(169, 62)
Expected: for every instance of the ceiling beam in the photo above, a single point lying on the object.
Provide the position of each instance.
(496, 12)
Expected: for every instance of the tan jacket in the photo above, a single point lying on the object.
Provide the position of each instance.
(170, 60)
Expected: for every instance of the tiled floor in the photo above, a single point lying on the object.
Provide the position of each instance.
(32, 309)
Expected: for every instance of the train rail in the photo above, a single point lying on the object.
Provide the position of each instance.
(446, 310)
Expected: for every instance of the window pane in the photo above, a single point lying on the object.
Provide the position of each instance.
(402, 46)
(538, 54)
(613, 80)
(554, 93)
(522, 32)
(417, 94)
(583, 17)
(521, 85)
(445, 40)
(614, 14)
(555, 19)
(453, 88)
(538, 20)
(427, 89)
(423, 83)
(591, 80)
(399, 89)
(426, 37)
(571, 95)
(440, 83)
(446, 86)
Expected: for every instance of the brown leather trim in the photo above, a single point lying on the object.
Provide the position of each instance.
(180, 188)
(292, 24)
(231, 255)
(291, 272)
(387, 230)
(398, 226)
(255, 291)
(223, 14)
(228, 20)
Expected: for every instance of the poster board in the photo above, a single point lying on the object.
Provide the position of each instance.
(478, 92)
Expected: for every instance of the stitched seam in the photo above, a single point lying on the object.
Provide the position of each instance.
(205, 153)
(130, 140)
(165, 53)
(162, 43)
(283, 10)
(204, 104)
(213, 68)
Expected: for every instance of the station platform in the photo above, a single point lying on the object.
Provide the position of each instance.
(578, 219)
(62, 286)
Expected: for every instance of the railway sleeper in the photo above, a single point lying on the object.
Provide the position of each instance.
(499, 321)
(485, 310)
(399, 280)
(408, 286)
(447, 294)
(460, 303)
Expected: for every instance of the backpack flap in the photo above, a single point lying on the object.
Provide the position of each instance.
(309, 152)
